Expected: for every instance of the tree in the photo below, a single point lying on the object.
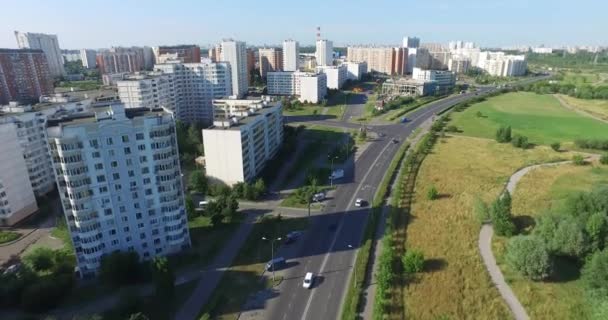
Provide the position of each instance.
(259, 187)
(432, 193)
(481, 210)
(190, 208)
(578, 160)
(195, 136)
(138, 316)
(597, 229)
(555, 146)
(595, 274)
(500, 212)
(164, 279)
(503, 134)
(519, 141)
(41, 259)
(198, 181)
(121, 268)
(46, 293)
(529, 256)
(413, 261)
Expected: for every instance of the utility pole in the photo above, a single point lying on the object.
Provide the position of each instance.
(272, 253)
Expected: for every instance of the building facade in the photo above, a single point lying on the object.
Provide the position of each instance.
(459, 64)
(355, 70)
(119, 179)
(408, 87)
(502, 65)
(271, 60)
(117, 60)
(386, 60)
(336, 75)
(445, 80)
(151, 90)
(235, 53)
(24, 75)
(49, 44)
(246, 134)
(291, 52)
(309, 87)
(88, 58)
(324, 53)
(399, 64)
(185, 53)
(411, 42)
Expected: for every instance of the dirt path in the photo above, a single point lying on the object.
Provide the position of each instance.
(577, 110)
(485, 245)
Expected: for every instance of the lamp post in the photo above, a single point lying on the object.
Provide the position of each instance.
(272, 252)
(354, 267)
(331, 168)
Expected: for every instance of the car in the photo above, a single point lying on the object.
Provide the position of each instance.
(203, 204)
(292, 237)
(381, 135)
(308, 280)
(360, 202)
(404, 120)
(318, 197)
(395, 141)
(276, 264)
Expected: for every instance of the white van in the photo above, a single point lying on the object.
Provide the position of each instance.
(308, 279)
(203, 204)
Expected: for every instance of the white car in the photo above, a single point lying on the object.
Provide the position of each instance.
(308, 279)
(359, 202)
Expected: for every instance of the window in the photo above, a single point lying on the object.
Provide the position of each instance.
(101, 178)
(96, 154)
(125, 139)
(103, 189)
(148, 192)
(143, 159)
(155, 232)
(146, 180)
(122, 209)
(138, 215)
(114, 242)
(114, 164)
(116, 176)
(127, 150)
(128, 239)
(131, 173)
(142, 236)
(129, 162)
(109, 141)
(111, 153)
(117, 187)
(133, 184)
(112, 232)
(136, 205)
(98, 166)
(145, 170)
(93, 143)
(139, 136)
(141, 147)
(140, 225)
(126, 229)
(107, 212)
(125, 219)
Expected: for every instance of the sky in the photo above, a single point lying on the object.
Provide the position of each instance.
(490, 23)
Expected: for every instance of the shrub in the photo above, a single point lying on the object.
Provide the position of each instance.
(500, 212)
(529, 256)
(413, 261)
(479, 114)
(451, 128)
(432, 193)
(578, 160)
(482, 212)
(604, 158)
(41, 259)
(595, 273)
(520, 142)
(503, 134)
(555, 146)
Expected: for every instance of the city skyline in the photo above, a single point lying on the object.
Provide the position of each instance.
(499, 23)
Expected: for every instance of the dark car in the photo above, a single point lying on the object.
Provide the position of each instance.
(276, 264)
(395, 141)
(404, 120)
(292, 237)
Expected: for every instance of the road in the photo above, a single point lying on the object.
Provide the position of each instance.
(327, 253)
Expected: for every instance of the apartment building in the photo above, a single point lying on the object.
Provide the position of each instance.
(502, 65)
(271, 60)
(408, 87)
(49, 44)
(119, 178)
(336, 75)
(411, 42)
(399, 64)
(433, 56)
(246, 134)
(24, 75)
(324, 53)
(386, 60)
(235, 53)
(195, 85)
(215, 53)
(117, 60)
(309, 87)
(151, 90)
(184, 53)
(291, 52)
(355, 70)
(87, 56)
(459, 64)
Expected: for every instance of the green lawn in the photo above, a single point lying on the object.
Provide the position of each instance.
(539, 117)
(8, 236)
(304, 111)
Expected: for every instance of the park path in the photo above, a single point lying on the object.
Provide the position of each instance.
(485, 245)
(577, 110)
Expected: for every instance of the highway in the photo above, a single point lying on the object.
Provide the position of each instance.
(331, 254)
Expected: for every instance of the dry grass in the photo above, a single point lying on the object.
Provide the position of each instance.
(461, 168)
(538, 191)
(597, 108)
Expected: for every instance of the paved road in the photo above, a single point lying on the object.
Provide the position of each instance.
(327, 252)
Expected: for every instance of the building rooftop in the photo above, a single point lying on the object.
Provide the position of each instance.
(105, 112)
(6, 50)
(230, 114)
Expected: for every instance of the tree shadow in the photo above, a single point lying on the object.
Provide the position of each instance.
(524, 223)
(565, 269)
(435, 264)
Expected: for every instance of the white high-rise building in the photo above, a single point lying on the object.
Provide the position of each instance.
(412, 53)
(235, 53)
(336, 75)
(196, 85)
(246, 134)
(291, 51)
(88, 56)
(309, 87)
(119, 178)
(325, 53)
(411, 42)
(147, 90)
(47, 43)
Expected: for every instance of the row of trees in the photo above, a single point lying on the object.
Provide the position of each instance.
(577, 91)
(504, 135)
(596, 144)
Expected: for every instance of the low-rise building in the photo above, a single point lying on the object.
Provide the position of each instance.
(309, 87)
(336, 75)
(245, 135)
(408, 87)
(445, 80)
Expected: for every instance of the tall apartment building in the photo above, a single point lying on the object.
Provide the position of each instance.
(117, 60)
(235, 53)
(70, 55)
(152, 90)
(386, 60)
(87, 56)
(309, 87)
(185, 53)
(246, 134)
(271, 60)
(355, 70)
(411, 42)
(195, 87)
(336, 75)
(24, 75)
(412, 53)
(324, 53)
(47, 43)
(459, 64)
(433, 56)
(119, 178)
(215, 53)
(250, 62)
(291, 51)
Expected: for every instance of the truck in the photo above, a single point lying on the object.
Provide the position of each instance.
(337, 174)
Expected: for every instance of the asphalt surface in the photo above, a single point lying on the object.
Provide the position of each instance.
(327, 253)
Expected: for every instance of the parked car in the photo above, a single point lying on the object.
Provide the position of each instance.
(360, 202)
(276, 264)
(203, 204)
(337, 174)
(308, 280)
(404, 120)
(318, 197)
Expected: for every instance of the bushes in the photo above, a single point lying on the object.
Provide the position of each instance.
(432, 193)
(198, 181)
(481, 210)
(595, 274)
(503, 134)
(413, 261)
(500, 213)
(520, 142)
(41, 259)
(555, 146)
(46, 293)
(595, 144)
(529, 256)
(578, 160)
(604, 159)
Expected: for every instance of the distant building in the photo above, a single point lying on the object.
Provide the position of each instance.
(110, 79)
(408, 87)
(459, 64)
(88, 58)
(117, 60)
(70, 55)
(355, 70)
(151, 90)
(291, 52)
(542, 50)
(235, 53)
(411, 42)
(433, 56)
(119, 179)
(24, 75)
(399, 63)
(501, 64)
(215, 53)
(309, 87)
(47, 43)
(336, 75)
(386, 60)
(245, 135)
(271, 60)
(324, 53)
(185, 53)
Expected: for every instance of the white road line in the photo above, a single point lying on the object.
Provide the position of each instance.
(333, 243)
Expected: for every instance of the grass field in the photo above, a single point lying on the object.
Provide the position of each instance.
(597, 108)
(541, 190)
(456, 284)
(539, 117)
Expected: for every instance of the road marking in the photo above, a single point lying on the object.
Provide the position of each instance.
(333, 243)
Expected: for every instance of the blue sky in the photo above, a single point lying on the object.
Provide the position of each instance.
(95, 24)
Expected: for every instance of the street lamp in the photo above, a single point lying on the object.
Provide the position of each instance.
(331, 176)
(354, 267)
(272, 253)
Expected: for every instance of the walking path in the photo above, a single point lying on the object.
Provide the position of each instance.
(577, 110)
(485, 245)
